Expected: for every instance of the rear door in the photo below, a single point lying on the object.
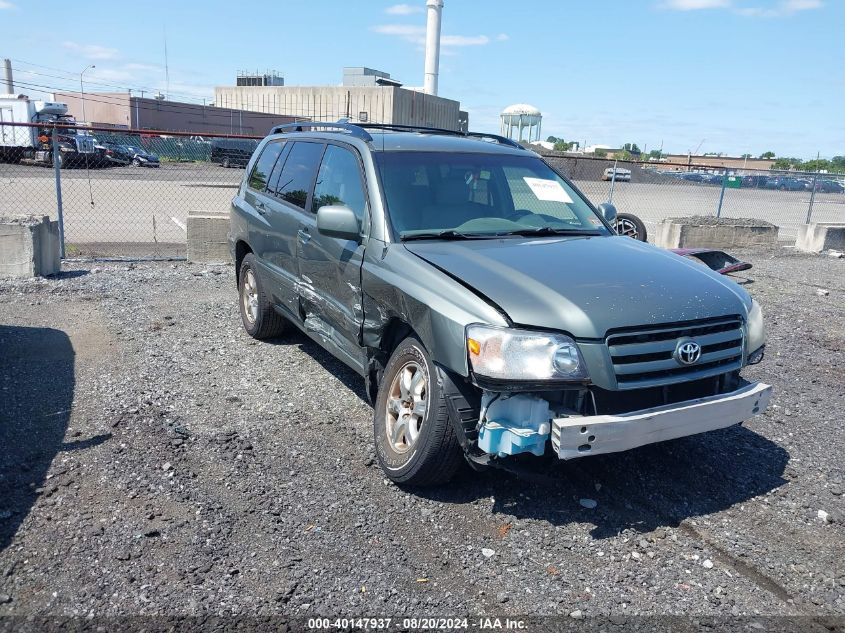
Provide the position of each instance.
(286, 204)
(278, 272)
(330, 268)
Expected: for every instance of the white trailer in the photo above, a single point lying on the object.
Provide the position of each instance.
(35, 143)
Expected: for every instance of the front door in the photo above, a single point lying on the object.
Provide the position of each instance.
(330, 268)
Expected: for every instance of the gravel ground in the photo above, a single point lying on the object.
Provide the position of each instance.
(156, 460)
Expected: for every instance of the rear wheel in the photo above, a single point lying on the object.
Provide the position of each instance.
(257, 314)
(136, 162)
(631, 226)
(226, 163)
(414, 438)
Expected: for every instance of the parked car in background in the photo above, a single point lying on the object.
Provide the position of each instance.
(828, 186)
(784, 183)
(754, 181)
(692, 177)
(120, 154)
(712, 179)
(622, 175)
(232, 152)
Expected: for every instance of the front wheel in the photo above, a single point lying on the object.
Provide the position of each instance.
(226, 163)
(136, 162)
(631, 226)
(414, 438)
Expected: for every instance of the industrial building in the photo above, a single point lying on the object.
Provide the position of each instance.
(365, 95)
(125, 110)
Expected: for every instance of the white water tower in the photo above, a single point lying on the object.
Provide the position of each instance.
(519, 119)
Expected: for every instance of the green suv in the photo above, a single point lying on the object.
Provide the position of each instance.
(489, 307)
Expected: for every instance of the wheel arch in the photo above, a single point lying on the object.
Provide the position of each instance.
(394, 332)
(242, 249)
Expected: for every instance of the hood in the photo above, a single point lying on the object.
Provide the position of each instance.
(586, 285)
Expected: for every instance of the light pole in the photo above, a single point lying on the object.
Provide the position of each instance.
(82, 90)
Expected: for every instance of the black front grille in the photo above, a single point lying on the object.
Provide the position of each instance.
(646, 357)
(606, 402)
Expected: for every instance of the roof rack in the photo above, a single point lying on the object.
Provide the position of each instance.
(359, 130)
(355, 130)
(437, 130)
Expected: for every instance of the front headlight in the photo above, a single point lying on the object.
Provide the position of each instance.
(511, 354)
(756, 328)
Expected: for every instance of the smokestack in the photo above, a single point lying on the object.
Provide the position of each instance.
(432, 46)
(10, 85)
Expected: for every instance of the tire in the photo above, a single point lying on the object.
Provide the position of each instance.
(630, 225)
(259, 318)
(433, 455)
(136, 162)
(226, 163)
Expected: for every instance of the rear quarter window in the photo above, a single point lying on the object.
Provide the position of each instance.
(260, 173)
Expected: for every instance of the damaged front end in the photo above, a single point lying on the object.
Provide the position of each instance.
(536, 395)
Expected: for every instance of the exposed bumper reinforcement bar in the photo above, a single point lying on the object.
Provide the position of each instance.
(594, 435)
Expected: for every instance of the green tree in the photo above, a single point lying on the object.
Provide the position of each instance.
(624, 155)
(746, 156)
(767, 155)
(553, 139)
(786, 163)
(600, 153)
(632, 148)
(656, 154)
(561, 145)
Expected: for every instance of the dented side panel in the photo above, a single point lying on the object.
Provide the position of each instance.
(398, 286)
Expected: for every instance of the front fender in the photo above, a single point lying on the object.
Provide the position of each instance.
(398, 285)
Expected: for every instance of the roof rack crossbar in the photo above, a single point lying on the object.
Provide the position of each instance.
(360, 130)
(436, 130)
(355, 130)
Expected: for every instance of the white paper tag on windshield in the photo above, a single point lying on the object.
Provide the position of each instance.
(550, 190)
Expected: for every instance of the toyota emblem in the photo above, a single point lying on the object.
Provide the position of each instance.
(687, 352)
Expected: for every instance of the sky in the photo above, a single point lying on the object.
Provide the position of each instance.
(731, 76)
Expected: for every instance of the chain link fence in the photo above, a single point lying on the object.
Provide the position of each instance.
(123, 194)
(129, 193)
(655, 191)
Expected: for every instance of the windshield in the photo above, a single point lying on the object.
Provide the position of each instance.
(465, 195)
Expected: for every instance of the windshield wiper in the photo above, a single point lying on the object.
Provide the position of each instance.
(449, 234)
(550, 230)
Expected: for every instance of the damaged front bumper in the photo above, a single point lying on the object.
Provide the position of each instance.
(580, 436)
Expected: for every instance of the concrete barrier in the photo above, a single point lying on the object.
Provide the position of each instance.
(711, 232)
(29, 246)
(208, 238)
(820, 236)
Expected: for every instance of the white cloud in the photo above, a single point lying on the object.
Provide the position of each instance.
(779, 9)
(6, 5)
(502, 37)
(695, 5)
(91, 51)
(416, 35)
(403, 9)
(464, 40)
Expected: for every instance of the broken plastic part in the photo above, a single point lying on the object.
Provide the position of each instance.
(519, 424)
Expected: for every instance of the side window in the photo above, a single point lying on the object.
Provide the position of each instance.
(264, 165)
(273, 181)
(298, 173)
(339, 181)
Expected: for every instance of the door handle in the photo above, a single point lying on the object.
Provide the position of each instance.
(303, 235)
(259, 206)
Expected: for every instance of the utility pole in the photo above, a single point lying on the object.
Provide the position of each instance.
(82, 91)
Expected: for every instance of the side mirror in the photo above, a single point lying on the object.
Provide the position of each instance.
(608, 211)
(338, 221)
